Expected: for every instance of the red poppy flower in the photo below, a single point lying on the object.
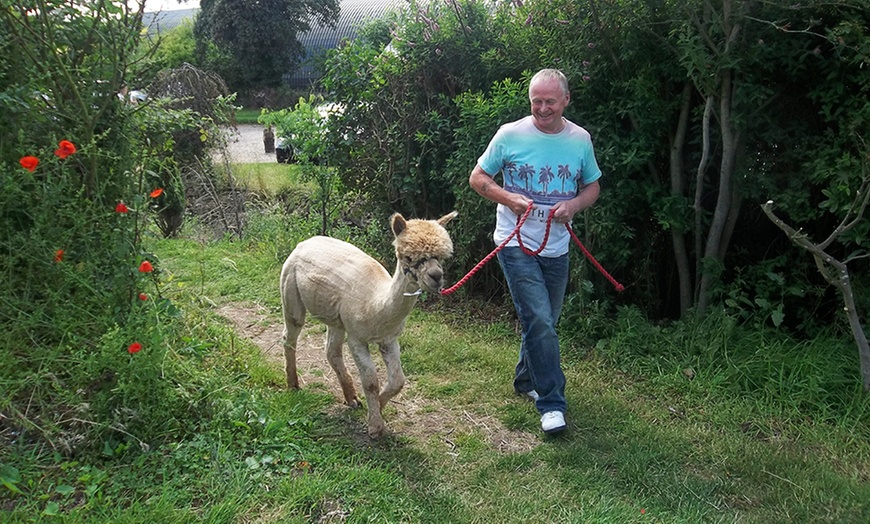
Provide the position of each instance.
(146, 267)
(135, 347)
(157, 192)
(65, 149)
(29, 163)
(58, 255)
(121, 208)
(143, 297)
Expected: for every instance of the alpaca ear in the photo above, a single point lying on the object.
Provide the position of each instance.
(448, 217)
(398, 224)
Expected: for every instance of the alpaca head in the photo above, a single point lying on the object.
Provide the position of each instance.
(421, 245)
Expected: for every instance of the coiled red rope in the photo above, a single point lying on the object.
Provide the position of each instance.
(520, 221)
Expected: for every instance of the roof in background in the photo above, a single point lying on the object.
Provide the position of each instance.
(353, 15)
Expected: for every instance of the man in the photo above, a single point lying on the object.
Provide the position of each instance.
(549, 162)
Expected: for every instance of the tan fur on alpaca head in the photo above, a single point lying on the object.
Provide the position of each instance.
(418, 239)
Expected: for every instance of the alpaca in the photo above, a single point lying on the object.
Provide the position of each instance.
(355, 296)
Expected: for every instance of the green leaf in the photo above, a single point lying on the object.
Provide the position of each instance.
(65, 489)
(51, 509)
(777, 316)
(9, 477)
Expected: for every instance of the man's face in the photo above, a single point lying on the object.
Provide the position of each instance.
(548, 103)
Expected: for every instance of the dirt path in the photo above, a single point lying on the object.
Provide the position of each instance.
(409, 413)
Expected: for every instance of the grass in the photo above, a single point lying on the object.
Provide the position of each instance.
(247, 115)
(269, 180)
(645, 443)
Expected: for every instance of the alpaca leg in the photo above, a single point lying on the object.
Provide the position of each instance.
(369, 377)
(294, 319)
(334, 343)
(291, 333)
(395, 375)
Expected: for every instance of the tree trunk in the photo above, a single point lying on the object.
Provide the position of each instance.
(678, 236)
(713, 248)
(699, 185)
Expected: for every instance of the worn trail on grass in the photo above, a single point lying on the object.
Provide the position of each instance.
(409, 414)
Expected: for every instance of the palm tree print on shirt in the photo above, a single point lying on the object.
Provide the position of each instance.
(525, 174)
(510, 168)
(564, 174)
(546, 177)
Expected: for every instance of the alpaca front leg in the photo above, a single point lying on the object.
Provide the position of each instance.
(395, 375)
(369, 377)
(334, 343)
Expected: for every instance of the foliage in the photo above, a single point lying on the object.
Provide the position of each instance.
(259, 45)
(679, 221)
(203, 97)
(85, 349)
(305, 129)
(173, 48)
(397, 131)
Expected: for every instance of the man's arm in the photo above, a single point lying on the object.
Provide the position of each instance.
(486, 187)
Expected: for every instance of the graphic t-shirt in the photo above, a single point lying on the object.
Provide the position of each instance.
(547, 168)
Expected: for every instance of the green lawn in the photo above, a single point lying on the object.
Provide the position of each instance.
(269, 179)
(247, 115)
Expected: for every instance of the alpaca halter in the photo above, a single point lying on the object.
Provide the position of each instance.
(410, 273)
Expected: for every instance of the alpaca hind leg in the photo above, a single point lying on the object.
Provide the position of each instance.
(334, 343)
(395, 375)
(369, 377)
(292, 328)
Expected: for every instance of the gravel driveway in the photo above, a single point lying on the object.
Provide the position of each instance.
(246, 145)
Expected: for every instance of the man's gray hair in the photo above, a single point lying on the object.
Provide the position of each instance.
(550, 74)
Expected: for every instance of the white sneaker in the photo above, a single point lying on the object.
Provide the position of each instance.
(553, 422)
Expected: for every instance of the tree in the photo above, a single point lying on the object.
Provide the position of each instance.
(306, 127)
(259, 39)
(174, 48)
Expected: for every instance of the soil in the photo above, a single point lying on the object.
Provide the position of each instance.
(409, 414)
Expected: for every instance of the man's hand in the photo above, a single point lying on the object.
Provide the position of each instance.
(518, 204)
(565, 210)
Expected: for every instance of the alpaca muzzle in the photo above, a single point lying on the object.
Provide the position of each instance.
(427, 273)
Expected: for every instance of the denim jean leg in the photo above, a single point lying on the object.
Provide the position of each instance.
(537, 287)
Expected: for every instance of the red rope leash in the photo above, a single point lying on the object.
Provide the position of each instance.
(520, 221)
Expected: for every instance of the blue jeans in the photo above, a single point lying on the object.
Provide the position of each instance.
(537, 286)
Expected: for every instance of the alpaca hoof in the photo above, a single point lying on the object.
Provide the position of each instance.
(377, 432)
(354, 403)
